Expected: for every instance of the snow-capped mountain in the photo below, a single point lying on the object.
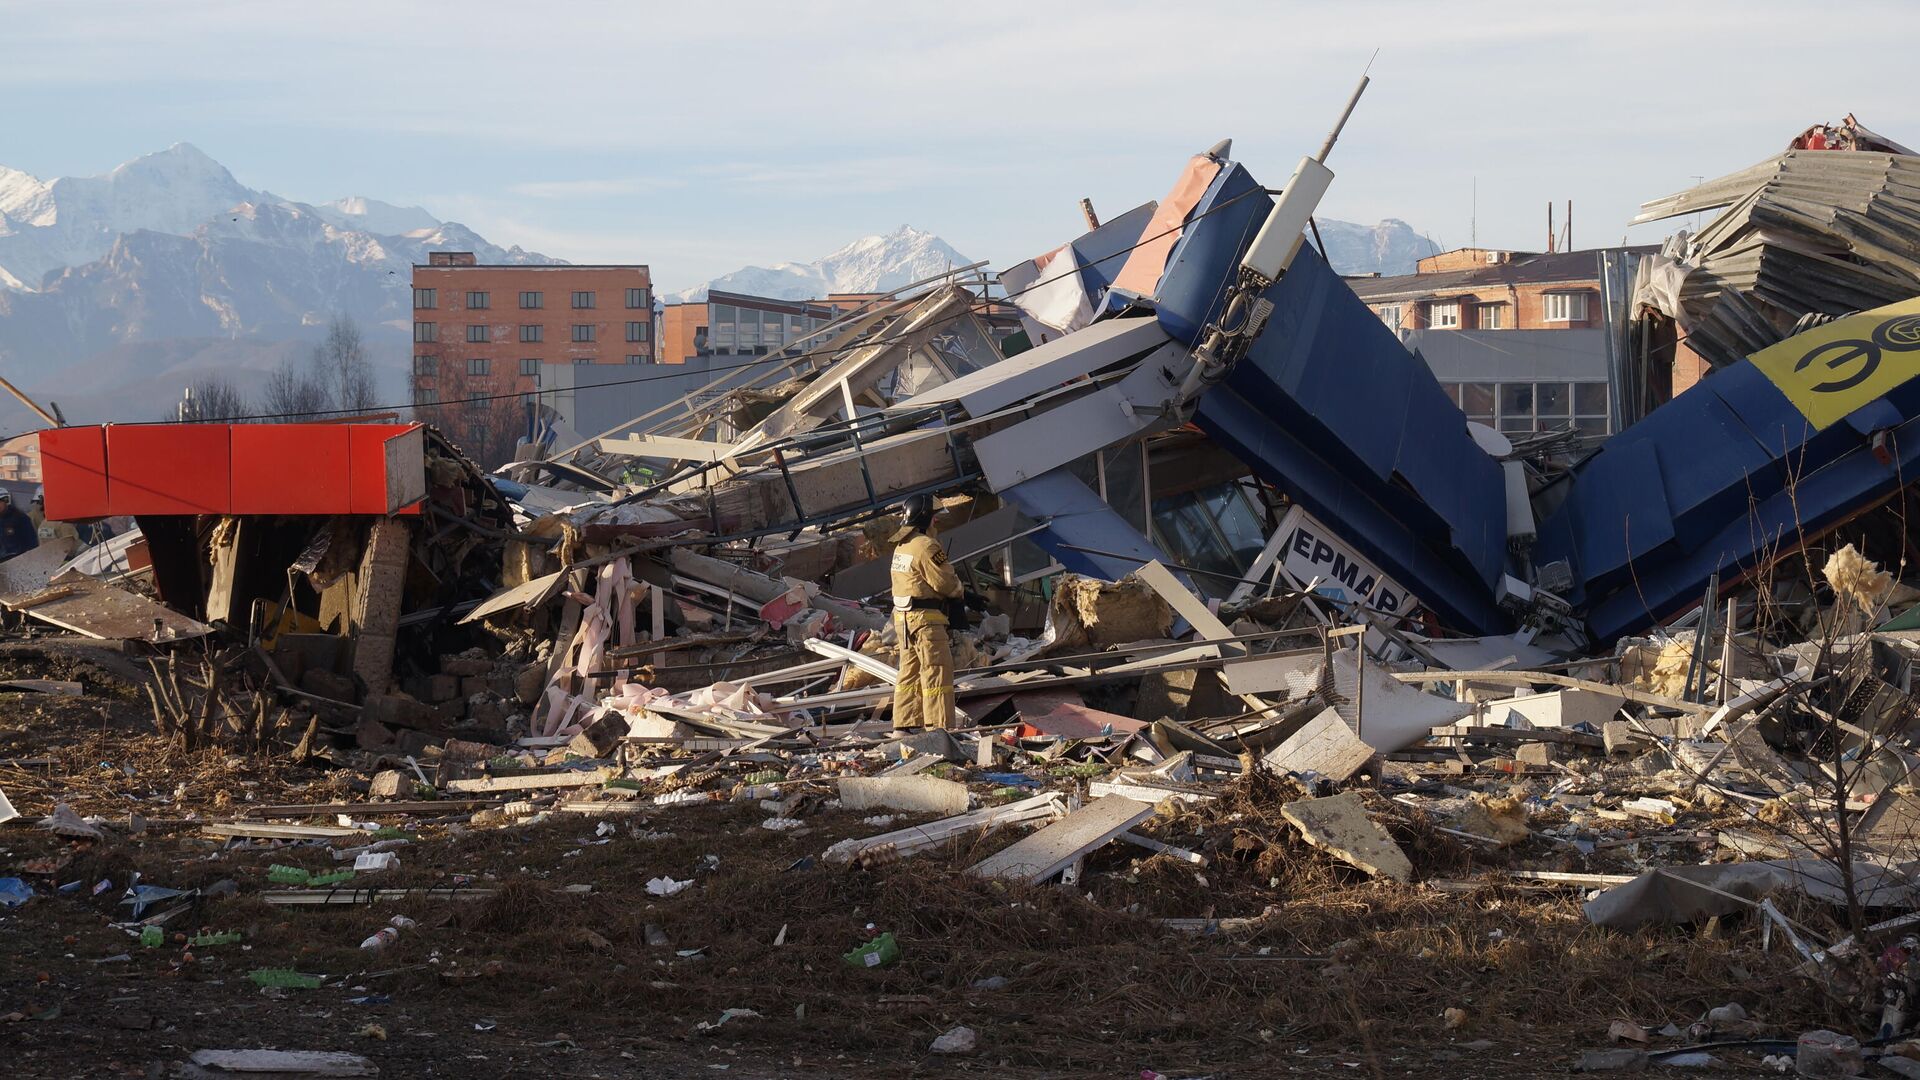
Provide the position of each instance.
(869, 264)
(372, 215)
(121, 274)
(1387, 249)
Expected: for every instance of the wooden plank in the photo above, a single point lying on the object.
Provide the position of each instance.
(533, 782)
(98, 610)
(29, 572)
(314, 1063)
(367, 809)
(1189, 607)
(1594, 881)
(526, 595)
(1151, 794)
(1529, 735)
(227, 557)
(1548, 678)
(1038, 857)
(872, 665)
(263, 831)
(1151, 844)
(347, 896)
(917, 838)
(62, 687)
(666, 446)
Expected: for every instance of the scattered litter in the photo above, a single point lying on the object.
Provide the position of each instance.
(879, 952)
(958, 1040)
(728, 1015)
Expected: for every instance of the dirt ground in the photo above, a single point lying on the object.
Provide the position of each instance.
(1342, 976)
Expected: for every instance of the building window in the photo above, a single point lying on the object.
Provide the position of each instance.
(1590, 412)
(478, 332)
(533, 300)
(1213, 529)
(534, 332)
(479, 365)
(425, 395)
(1566, 306)
(425, 299)
(636, 331)
(583, 331)
(636, 298)
(1523, 408)
(1477, 401)
(423, 365)
(583, 300)
(634, 359)
(426, 331)
(579, 360)
(1488, 316)
(1390, 314)
(530, 366)
(1444, 314)
(476, 300)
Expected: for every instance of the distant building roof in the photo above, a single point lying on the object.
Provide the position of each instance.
(772, 304)
(1546, 269)
(1511, 355)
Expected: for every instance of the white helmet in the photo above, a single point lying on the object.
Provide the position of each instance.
(5, 495)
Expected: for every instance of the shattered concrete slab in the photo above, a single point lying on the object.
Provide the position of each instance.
(1340, 826)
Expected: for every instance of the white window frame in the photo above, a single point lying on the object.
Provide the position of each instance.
(1566, 307)
(1392, 315)
(1489, 316)
(1443, 314)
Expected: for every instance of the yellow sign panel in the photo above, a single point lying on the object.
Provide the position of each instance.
(1832, 370)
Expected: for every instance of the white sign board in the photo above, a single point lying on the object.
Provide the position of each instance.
(1309, 550)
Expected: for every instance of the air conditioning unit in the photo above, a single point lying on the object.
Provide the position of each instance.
(1493, 258)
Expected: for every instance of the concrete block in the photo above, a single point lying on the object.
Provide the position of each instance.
(388, 784)
(1538, 753)
(598, 739)
(464, 666)
(443, 687)
(1619, 735)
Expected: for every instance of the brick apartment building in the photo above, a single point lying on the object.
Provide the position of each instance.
(20, 459)
(1519, 340)
(481, 329)
(1490, 289)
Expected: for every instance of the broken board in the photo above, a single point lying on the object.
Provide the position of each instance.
(913, 794)
(1339, 825)
(1325, 746)
(97, 610)
(1189, 607)
(1038, 857)
(268, 1064)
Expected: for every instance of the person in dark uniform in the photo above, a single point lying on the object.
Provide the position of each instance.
(17, 532)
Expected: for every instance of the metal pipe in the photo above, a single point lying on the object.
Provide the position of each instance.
(1332, 136)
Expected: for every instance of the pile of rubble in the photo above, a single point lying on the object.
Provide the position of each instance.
(1626, 770)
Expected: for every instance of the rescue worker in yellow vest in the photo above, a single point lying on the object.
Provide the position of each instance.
(925, 591)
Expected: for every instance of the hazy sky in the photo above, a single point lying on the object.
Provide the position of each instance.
(699, 137)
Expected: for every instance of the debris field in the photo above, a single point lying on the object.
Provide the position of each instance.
(1577, 756)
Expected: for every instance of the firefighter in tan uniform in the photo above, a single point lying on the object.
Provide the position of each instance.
(925, 591)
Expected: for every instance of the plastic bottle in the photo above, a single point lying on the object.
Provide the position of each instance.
(387, 934)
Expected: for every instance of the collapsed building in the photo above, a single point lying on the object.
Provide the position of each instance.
(1228, 523)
